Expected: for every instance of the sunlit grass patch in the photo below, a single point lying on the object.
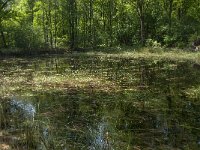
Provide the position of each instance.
(79, 80)
(193, 92)
(39, 81)
(4, 146)
(175, 55)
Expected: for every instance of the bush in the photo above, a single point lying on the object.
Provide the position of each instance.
(169, 41)
(181, 45)
(27, 37)
(153, 43)
(193, 37)
(63, 42)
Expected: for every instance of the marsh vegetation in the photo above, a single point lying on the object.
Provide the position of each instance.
(100, 101)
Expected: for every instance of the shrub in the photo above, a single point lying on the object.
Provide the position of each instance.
(153, 43)
(27, 37)
(169, 41)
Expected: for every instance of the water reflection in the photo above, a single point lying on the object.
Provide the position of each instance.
(24, 109)
(137, 104)
(101, 137)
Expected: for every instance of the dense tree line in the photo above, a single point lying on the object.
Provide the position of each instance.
(91, 23)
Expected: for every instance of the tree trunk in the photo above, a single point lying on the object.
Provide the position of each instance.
(50, 24)
(111, 22)
(91, 22)
(72, 23)
(45, 32)
(55, 22)
(32, 13)
(170, 15)
(3, 39)
(142, 30)
(140, 8)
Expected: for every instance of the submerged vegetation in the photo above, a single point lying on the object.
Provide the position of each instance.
(15, 79)
(100, 101)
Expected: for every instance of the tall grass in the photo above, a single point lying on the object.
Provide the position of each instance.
(149, 53)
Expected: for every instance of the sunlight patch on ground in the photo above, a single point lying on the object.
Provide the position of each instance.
(171, 55)
(41, 82)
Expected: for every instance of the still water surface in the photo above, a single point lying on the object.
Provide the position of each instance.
(96, 103)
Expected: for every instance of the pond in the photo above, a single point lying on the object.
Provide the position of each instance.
(99, 103)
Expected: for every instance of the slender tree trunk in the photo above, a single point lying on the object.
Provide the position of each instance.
(91, 22)
(63, 23)
(55, 32)
(3, 39)
(170, 15)
(50, 23)
(140, 9)
(111, 22)
(3, 36)
(47, 26)
(85, 36)
(56, 6)
(72, 23)
(103, 20)
(142, 30)
(45, 23)
(32, 13)
(84, 31)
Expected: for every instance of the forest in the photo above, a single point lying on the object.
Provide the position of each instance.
(81, 24)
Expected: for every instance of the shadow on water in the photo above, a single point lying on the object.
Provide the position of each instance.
(145, 107)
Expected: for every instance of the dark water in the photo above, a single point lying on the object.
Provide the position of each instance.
(138, 104)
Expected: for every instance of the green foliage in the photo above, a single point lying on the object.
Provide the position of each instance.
(169, 41)
(152, 43)
(193, 37)
(62, 42)
(89, 23)
(27, 37)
